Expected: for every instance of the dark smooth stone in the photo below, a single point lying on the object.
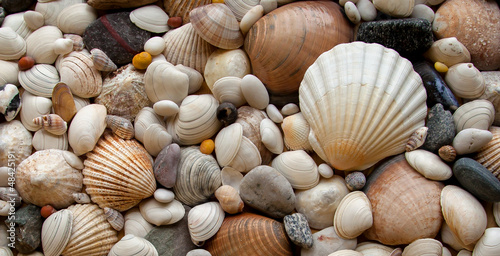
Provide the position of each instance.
(116, 36)
(165, 166)
(409, 37)
(441, 129)
(298, 230)
(476, 179)
(28, 222)
(13, 6)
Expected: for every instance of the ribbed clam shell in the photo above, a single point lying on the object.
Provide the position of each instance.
(78, 72)
(91, 234)
(101, 60)
(120, 126)
(17, 23)
(465, 80)
(488, 244)
(298, 168)
(12, 45)
(131, 245)
(75, 18)
(150, 18)
(271, 136)
(161, 213)
(39, 44)
(250, 234)
(9, 72)
(240, 7)
(196, 120)
(364, 108)
(204, 221)
(228, 89)
(39, 80)
(478, 114)
(417, 139)
(216, 24)
(247, 157)
(423, 246)
(118, 173)
(115, 218)
(463, 213)
(296, 132)
(198, 176)
(52, 123)
(489, 155)
(163, 81)
(184, 46)
(123, 92)
(43, 139)
(56, 231)
(32, 107)
(353, 215)
(181, 8)
(51, 9)
(227, 143)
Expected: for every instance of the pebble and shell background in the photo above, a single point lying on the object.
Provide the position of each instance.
(246, 127)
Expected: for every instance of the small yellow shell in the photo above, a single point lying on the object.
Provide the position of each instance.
(440, 67)
(207, 146)
(142, 60)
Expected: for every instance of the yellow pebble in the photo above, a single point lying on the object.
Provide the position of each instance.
(440, 67)
(207, 146)
(142, 60)
(217, 1)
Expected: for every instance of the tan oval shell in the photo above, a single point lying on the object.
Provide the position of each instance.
(56, 231)
(75, 18)
(32, 107)
(131, 245)
(91, 234)
(423, 246)
(298, 168)
(463, 213)
(115, 218)
(353, 215)
(86, 128)
(488, 244)
(181, 8)
(39, 80)
(46, 140)
(63, 102)
(296, 132)
(118, 173)
(184, 46)
(47, 178)
(39, 44)
(488, 154)
(52, 123)
(474, 114)
(448, 51)
(204, 221)
(120, 126)
(78, 72)
(12, 44)
(161, 213)
(465, 81)
(229, 199)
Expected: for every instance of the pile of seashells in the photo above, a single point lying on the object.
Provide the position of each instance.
(247, 127)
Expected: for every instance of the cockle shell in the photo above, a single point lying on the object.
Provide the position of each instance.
(449, 51)
(465, 81)
(120, 126)
(181, 8)
(184, 46)
(150, 18)
(240, 7)
(161, 213)
(250, 234)
(52, 123)
(101, 60)
(204, 221)
(56, 231)
(283, 44)
(9, 72)
(488, 244)
(463, 213)
(271, 136)
(298, 168)
(118, 173)
(32, 107)
(75, 18)
(198, 176)
(423, 246)
(229, 199)
(49, 177)
(39, 44)
(78, 72)
(217, 25)
(115, 218)
(228, 89)
(51, 9)
(39, 80)
(417, 139)
(296, 132)
(226, 63)
(86, 128)
(352, 132)
(123, 92)
(196, 120)
(63, 102)
(12, 46)
(131, 245)
(34, 20)
(165, 82)
(43, 139)
(474, 114)
(488, 154)
(17, 23)
(353, 215)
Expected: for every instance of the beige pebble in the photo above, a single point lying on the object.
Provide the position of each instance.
(471, 140)
(250, 18)
(4, 176)
(155, 45)
(395, 8)
(367, 10)
(343, 2)
(254, 92)
(164, 195)
(423, 11)
(166, 108)
(274, 114)
(352, 12)
(325, 171)
(269, 5)
(428, 164)
(290, 109)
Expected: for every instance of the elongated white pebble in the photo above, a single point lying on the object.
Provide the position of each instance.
(252, 16)
(367, 10)
(352, 12)
(155, 45)
(343, 2)
(290, 109)
(423, 11)
(164, 195)
(166, 108)
(274, 113)
(254, 92)
(325, 171)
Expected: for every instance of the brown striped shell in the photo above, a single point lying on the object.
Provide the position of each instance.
(101, 60)
(447, 153)
(77, 70)
(489, 155)
(120, 126)
(52, 123)
(118, 173)
(181, 8)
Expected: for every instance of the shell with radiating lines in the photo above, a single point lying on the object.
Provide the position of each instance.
(56, 231)
(131, 245)
(75, 18)
(118, 173)
(102, 61)
(39, 80)
(489, 155)
(362, 102)
(478, 114)
(181, 8)
(204, 221)
(77, 70)
(240, 7)
(298, 168)
(353, 215)
(296, 132)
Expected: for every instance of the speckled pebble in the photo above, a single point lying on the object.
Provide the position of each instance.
(254, 92)
(476, 179)
(441, 129)
(355, 181)
(28, 223)
(290, 109)
(298, 230)
(274, 113)
(471, 140)
(325, 171)
(164, 195)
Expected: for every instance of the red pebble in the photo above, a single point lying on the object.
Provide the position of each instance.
(174, 22)
(47, 210)
(26, 63)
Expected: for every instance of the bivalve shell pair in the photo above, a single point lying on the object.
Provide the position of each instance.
(298, 167)
(133, 246)
(39, 80)
(78, 72)
(12, 44)
(364, 108)
(353, 215)
(150, 18)
(204, 221)
(118, 173)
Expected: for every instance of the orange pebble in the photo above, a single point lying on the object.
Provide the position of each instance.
(207, 147)
(26, 63)
(174, 22)
(47, 210)
(142, 60)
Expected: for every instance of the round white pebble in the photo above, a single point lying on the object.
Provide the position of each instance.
(367, 10)
(166, 108)
(290, 109)
(155, 45)
(325, 171)
(254, 92)
(252, 16)
(274, 114)
(352, 12)
(164, 195)
(423, 11)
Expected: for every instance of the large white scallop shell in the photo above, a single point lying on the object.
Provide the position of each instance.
(39, 80)
(74, 19)
(12, 45)
(40, 44)
(353, 215)
(298, 168)
(204, 221)
(150, 18)
(131, 245)
(362, 101)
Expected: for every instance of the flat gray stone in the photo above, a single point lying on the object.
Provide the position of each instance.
(298, 230)
(476, 179)
(28, 223)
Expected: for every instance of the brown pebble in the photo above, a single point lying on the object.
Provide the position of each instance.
(26, 63)
(174, 22)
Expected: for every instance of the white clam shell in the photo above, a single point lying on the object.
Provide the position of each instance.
(86, 128)
(247, 157)
(74, 19)
(252, 16)
(12, 45)
(51, 9)
(448, 51)
(345, 252)
(156, 138)
(155, 45)
(166, 108)
(353, 215)
(240, 7)
(271, 136)
(150, 18)
(352, 12)
(204, 221)
(34, 20)
(17, 23)
(298, 168)
(160, 213)
(164, 82)
(489, 244)
(40, 44)
(465, 81)
(56, 231)
(296, 132)
(374, 249)
(32, 107)
(46, 140)
(228, 89)
(463, 213)
(428, 164)
(9, 72)
(135, 223)
(423, 246)
(478, 114)
(227, 143)
(195, 77)
(222, 63)
(232, 177)
(131, 245)
(77, 70)
(143, 120)
(449, 238)
(39, 80)
(254, 92)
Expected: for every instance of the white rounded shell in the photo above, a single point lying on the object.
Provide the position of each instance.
(150, 18)
(298, 168)
(362, 101)
(204, 221)
(12, 45)
(133, 245)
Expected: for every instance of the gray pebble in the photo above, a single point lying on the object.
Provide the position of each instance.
(441, 129)
(476, 179)
(297, 229)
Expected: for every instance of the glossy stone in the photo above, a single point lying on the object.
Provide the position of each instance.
(476, 179)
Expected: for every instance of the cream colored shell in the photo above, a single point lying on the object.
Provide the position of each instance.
(46, 140)
(34, 20)
(74, 19)
(56, 231)
(51, 9)
(17, 23)
(353, 215)
(150, 18)
(32, 107)
(478, 114)
(224, 63)
(39, 80)
(423, 246)
(40, 44)
(77, 70)
(136, 224)
(204, 221)
(298, 168)
(12, 45)
(145, 118)
(161, 213)
(228, 89)
(9, 72)
(240, 7)
(488, 244)
(271, 136)
(86, 128)
(131, 245)
(374, 248)
(227, 143)
(465, 81)
(163, 81)
(448, 51)
(395, 8)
